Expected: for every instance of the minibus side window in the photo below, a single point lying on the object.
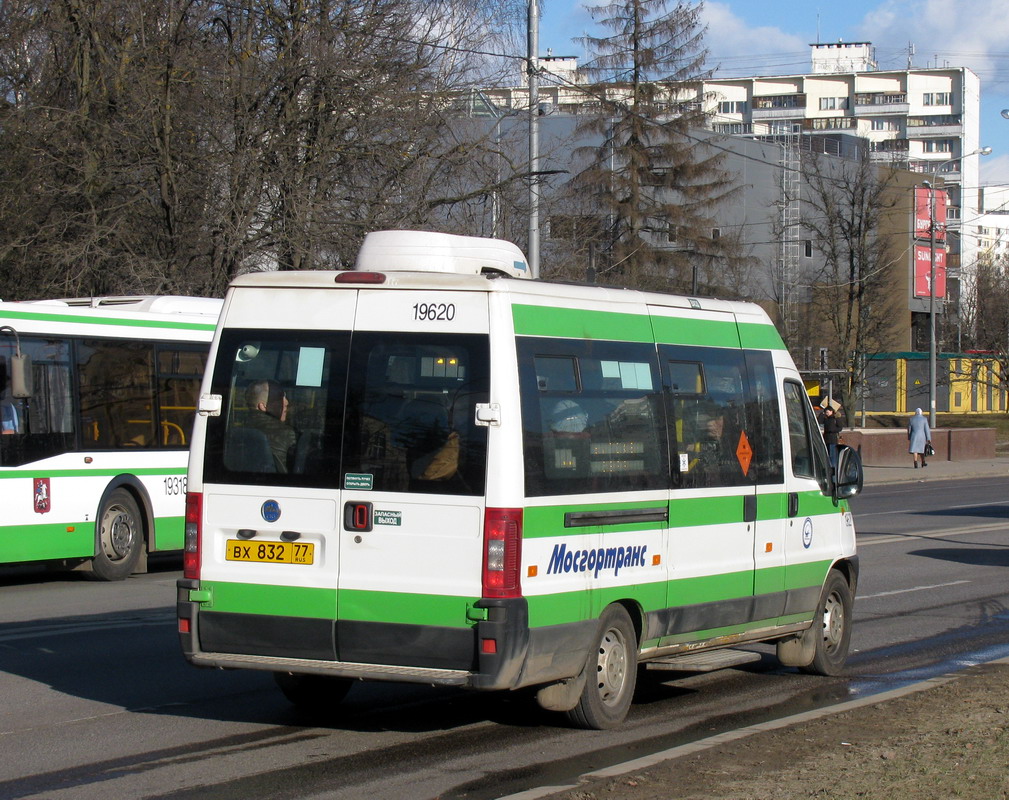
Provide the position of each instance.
(764, 418)
(711, 426)
(800, 443)
(592, 416)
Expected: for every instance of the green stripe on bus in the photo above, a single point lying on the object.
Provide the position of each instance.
(693, 331)
(354, 604)
(684, 512)
(578, 324)
(578, 606)
(443, 611)
(271, 600)
(126, 323)
(47, 541)
(79, 473)
(758, 336)
(542, 521)
(169, 533)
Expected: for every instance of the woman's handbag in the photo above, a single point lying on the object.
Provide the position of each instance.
(929, 450)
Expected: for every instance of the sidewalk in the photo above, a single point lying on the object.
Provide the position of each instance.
(980, 468)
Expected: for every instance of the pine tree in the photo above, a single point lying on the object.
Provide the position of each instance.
(654, 184)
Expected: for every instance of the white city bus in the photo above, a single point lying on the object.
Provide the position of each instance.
(97, 398)
(429, 469)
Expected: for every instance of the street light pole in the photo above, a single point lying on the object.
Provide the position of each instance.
(534, 139)
(931, 305)
(932, 344)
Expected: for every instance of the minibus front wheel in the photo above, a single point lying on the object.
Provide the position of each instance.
(611, 671)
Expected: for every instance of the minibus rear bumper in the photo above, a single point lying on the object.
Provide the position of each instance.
(496, 660)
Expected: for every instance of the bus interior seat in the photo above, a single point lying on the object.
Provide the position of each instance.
(248, 450)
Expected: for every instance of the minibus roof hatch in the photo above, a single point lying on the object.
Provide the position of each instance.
(428, 251)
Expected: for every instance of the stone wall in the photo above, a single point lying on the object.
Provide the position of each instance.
(881, 447)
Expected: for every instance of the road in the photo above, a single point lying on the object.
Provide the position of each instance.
(97, 701)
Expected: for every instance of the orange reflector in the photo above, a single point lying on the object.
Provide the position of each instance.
(768, 547)
(71, 528)
(656, 560)
(183, 626)
(488, 646)
(533, 571)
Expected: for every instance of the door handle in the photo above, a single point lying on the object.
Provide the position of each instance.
(357, 516)
(793, 504)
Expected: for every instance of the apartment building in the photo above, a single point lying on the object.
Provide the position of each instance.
(923, 120)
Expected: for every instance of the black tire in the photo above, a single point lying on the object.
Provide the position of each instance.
(611, 672)
(120, 538)
(317, 694)
(832, 627)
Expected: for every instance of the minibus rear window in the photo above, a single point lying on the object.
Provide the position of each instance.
(283, 407)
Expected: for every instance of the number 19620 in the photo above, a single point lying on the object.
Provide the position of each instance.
(433, 312)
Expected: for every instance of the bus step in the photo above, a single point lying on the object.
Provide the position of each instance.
(706, 661)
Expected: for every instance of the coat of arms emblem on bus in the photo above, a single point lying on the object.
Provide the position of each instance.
(41, 495)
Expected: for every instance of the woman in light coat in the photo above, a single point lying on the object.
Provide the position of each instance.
(918, 435)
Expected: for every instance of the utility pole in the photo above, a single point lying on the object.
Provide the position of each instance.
(534, 139)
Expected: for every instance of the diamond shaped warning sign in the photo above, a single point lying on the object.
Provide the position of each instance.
(744, 453)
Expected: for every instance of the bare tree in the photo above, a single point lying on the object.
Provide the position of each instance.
(858, 240)
(168, 146)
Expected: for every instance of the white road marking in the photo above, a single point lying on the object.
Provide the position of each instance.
(912, 589)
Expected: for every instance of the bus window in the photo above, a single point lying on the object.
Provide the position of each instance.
(41, 425)
(724, 416)
(592, 417)
(116, 387)
(411, 409)
(283, 409)
(180, 371)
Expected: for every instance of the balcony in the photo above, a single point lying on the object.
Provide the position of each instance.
(878, 103)
(928, 131)
(784, 106)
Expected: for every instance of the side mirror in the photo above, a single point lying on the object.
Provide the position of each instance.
(849, 476)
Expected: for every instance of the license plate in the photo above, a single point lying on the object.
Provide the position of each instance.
(270, 552)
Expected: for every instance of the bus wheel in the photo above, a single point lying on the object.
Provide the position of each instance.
(610, 673)
(318, 694)
(831, 627)
(120, 537)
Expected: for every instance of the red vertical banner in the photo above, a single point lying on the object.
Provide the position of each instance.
(923, 213)
(923, 270)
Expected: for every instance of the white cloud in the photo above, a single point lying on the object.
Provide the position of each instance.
(995, 170)
(968, 33)
(737, 48)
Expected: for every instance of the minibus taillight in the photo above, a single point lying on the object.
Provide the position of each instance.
(191, 548)
(353, 276)
(502, 556)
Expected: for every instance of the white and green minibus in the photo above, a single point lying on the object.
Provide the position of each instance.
(97, 399)
(431, 469)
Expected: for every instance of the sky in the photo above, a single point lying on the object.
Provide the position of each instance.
(767, 37)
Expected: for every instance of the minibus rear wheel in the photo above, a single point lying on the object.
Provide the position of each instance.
(316, 693)
(611, 672)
